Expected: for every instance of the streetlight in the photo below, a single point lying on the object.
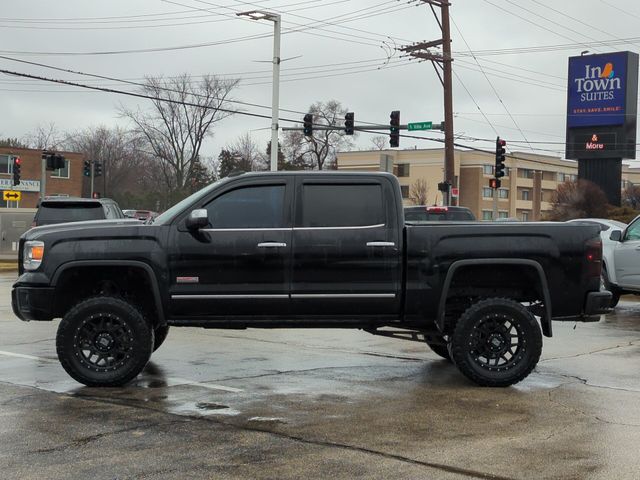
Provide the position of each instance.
(275, 18)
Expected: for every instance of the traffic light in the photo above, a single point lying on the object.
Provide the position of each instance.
(348, 123)
(97, 169)
(16, 170)
(500, 151)
(308, 125)
(394, 127)
(87, 168)
(494, 183)
(55, 161)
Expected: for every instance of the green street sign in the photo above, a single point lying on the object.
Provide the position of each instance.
(419, 126)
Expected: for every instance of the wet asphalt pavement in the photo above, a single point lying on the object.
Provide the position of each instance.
(319, 404)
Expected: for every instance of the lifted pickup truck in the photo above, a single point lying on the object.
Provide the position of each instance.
(302, 249)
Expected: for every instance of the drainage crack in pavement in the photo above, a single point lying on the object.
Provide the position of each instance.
(588, 415)
(79, 442)
(586, 382)
(632, 343)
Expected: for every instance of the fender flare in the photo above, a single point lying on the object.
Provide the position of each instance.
(545, 320)
(117, 263)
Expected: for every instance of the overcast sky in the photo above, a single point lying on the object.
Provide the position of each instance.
(342, 49)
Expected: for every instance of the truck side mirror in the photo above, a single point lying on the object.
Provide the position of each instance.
(616, 236)
(197, 219)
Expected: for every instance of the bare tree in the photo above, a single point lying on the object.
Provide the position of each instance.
(45, 137)
(418, 192)
(320, 150)
(379, 142)
(581, 199)
(247, 154)
(119, 152)
(183, 114)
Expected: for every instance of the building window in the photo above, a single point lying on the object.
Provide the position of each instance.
(487, 215)
(503, 214)
(404, 189)
(6, 164)
(403, 170)
(503, 193)
(525, 195)
(506, 171)
(487, 192)
(62, 172)
(525, 216)
(487, 169)
(525, 173)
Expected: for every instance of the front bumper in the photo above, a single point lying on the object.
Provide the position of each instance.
(32, 303)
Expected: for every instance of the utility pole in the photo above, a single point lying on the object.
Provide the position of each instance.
(442, 65)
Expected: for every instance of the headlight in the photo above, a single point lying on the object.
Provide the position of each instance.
(33, 254)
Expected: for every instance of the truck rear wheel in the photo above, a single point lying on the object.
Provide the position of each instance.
(104, 342)
(496, 342)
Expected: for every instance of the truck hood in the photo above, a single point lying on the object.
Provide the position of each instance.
(95, 226)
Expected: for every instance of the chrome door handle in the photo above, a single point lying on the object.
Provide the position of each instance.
(272, 245)
(381, 244)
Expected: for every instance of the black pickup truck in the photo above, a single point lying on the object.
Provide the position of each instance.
(300, 249)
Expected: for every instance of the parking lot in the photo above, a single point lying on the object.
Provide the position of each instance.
(321, 404)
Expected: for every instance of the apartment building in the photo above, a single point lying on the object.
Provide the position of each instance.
(526, 192)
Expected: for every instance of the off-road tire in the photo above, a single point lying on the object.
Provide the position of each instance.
(160, 335)
(104, 342)
(482, 345)
(615, 292)
(440, 349)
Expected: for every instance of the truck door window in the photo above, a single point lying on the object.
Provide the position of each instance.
(341, 205)
(248, 207)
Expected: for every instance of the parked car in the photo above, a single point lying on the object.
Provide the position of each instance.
(624, 277)
(143, 215)
(54, 210)
(608, 246)
(308, 250)
(434, 213)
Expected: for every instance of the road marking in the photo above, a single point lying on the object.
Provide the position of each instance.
(210, 386)
(29, 357)
(173, 380)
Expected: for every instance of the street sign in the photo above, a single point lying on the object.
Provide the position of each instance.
(10, 195)
(419, 126)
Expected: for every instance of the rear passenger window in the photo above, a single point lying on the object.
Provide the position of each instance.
(341, 205)
(248, 207)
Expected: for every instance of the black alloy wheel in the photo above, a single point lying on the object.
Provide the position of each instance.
(104, 342)
(497, 342)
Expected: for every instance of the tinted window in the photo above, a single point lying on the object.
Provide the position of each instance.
(342, 205)
(50, 213)
(633, 232)
(249, 207)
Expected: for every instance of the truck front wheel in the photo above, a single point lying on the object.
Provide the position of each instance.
(496, 342)
(104, 342)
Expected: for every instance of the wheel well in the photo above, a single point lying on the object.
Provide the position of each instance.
(472, 283)
(130, 283)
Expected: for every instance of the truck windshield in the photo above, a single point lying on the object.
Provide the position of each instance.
(63, 212)
(168, 215)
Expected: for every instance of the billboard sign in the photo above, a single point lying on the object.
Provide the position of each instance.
(602, 96)
(597, 90)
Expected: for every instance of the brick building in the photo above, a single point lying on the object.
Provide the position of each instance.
(65, 181)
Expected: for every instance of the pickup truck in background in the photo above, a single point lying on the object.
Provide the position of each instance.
(307, 250)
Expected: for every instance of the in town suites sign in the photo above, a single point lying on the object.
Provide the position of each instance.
(25, 185)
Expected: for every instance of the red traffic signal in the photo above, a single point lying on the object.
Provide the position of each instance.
(494, 183)
(16, 170)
